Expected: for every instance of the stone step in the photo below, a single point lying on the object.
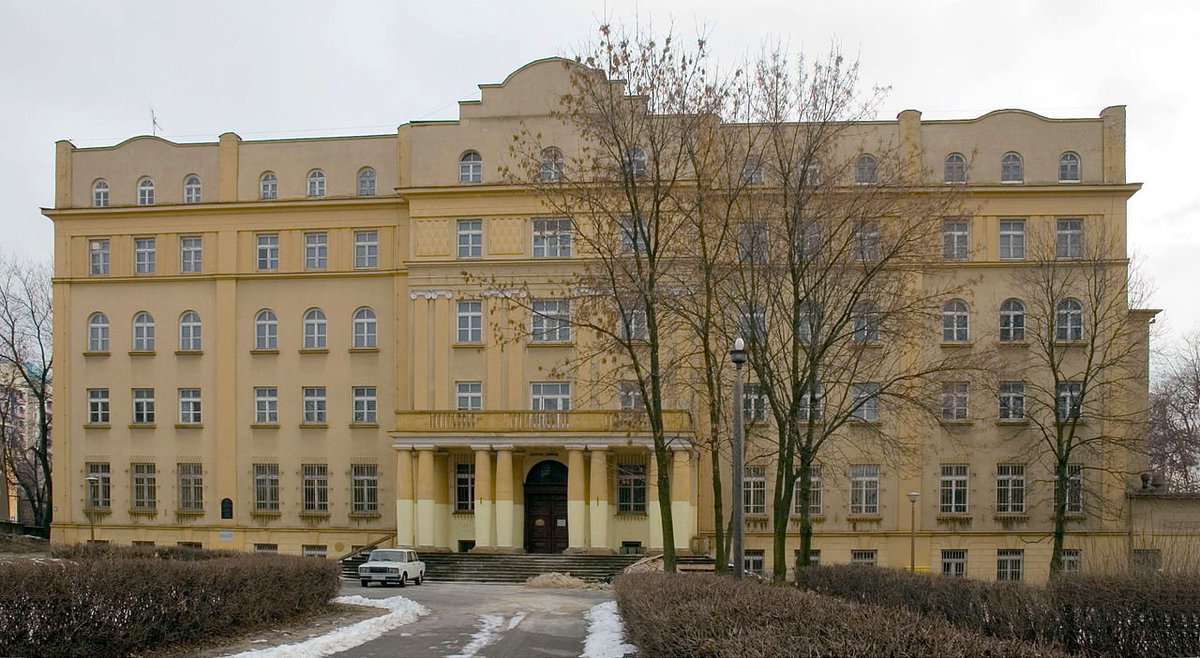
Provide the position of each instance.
(474, 567)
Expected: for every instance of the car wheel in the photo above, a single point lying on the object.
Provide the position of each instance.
(365, 583)
(418, 580)
(403, 576)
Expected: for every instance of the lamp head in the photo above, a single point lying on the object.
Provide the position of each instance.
(738, 353)
(913, 496)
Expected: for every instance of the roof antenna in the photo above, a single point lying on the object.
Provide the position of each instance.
(154, 126)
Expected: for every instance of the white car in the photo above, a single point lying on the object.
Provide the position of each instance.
(388, 566)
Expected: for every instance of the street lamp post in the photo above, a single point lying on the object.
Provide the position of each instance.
(93, 482)
(912, 534)
(738, 356)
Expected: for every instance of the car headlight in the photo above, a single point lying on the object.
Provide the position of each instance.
(393, 570)
(362, 570)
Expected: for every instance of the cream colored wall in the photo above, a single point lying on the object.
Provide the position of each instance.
(121, 166)
(341, 158)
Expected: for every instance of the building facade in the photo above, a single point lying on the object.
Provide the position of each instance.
(286, 345)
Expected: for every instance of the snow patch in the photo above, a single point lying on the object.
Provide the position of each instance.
(401, 611)
(606, 633)
(512, 623)
(488, 625)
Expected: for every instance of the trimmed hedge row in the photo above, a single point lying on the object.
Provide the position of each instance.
(1091, 615)
(672, 615)
(127, 603)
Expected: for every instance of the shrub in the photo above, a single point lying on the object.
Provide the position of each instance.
(1113, 614)
(126, 603)
(711, 616)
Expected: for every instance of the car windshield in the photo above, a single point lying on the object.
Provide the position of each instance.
(387, 556)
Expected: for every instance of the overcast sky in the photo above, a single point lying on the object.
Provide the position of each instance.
(89, 72)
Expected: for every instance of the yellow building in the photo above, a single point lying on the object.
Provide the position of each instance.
(271, 345)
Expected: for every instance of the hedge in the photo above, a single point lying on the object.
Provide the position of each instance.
(127, 603)
(1127, 615)
(673, 615)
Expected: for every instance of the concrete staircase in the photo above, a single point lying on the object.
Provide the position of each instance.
(486, 568)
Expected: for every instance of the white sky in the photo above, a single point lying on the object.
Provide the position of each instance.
(89, 71)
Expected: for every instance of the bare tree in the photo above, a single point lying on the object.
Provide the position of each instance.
(1084, 374)
(26, 351)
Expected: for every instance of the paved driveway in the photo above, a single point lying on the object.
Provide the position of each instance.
(470, 619)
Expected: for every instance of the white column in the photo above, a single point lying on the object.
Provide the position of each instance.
(483, 497)
(598, 483)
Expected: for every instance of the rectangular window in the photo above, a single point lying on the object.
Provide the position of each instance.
(365, 488)
(470, 322)
(98, 406)
(266, 548)
(189, 406)
(1069, 239)
(314, 550)
(956, 240)
(551, 396)
(470, 396)
(552, 238)
(99, 479)
(634, 324)
(864, 489)
(268, 252)
(316, 251)
(866, 401)
(365, 404)
(1075, 489)
(316, 487)
(815, 491)
(143, 406)
(754, 403)
(366, 250)
(1012, 239)
(266, 487)
(266, 405)
(1072, 560)
(864, 558)
(1069, 401)
(470, 238)
(754, 490)
(954, 562)
(551, 321)
(98, 255)
(191, 254)
(868, 241)
(631, 488)
(145, 487)
(1012, 400)
(630, 395)
(812, 403)
(1010, 564)
(635, 235)
(191, 487)
(752, 242)
(753, 324)
(144, 257)
(464, 486)
(954, 487)
(753, 561)
(955, 401)
(1010, 488)
(314, 405)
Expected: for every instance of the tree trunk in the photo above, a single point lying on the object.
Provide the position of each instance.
(663, 458)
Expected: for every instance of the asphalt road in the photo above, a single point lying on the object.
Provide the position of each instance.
(481, 620)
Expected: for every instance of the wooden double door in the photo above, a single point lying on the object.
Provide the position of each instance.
(546, 519)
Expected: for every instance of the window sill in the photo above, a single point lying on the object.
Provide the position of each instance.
(141, 511)
(189, 512)
(1075, 516)
(954, 517)
(463, 513)
(97, 511)
(864, 518)
(142, 352)
(365, 268)
(364, 426)
(189, 426)
(1010, 516)
(550, 343)
(257, 352)
(1070, 343)
(95, 355)
(364, 350)
(957, 344)
(264, 426)
(142, 426)
(189, 352)
(96, 426)
(1012, 343)
(314, 426)
(478, 345)
(364, 515)
(315, 350)
(314, 514)
(813, 518)
(957, 422)
(1012, 182)
(1015, 422)
(266, 513)
(632, 515)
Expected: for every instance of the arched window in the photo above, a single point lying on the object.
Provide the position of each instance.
(1068, 320)
(100, 194)
(143, 332)
(316, 184)
(1012, 320)
(1068, 167)
(552, 165)
(866, 323)
(366, 182)
(365, 334)
(189, 332)
(1012, 168)
(955, 319)
(956, 169)
(191, 189)
(635, 161)
(98, 333)
(145, 192)
(470, 167)
(268, 186)
(314, 330)
(266, 330)
(865, 169)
